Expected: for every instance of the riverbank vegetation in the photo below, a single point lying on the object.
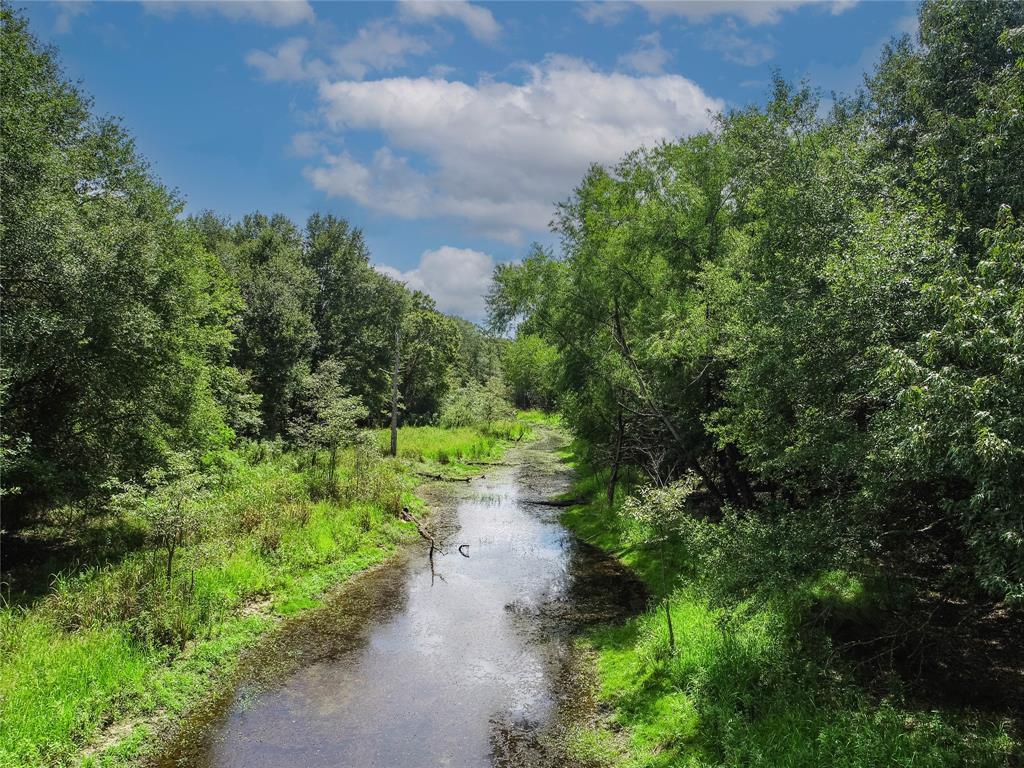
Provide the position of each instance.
(190, 414)
(120, 639)
(796, 343)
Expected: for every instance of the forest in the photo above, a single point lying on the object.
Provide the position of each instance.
(788, 352)
(791, 351)
(179, 391)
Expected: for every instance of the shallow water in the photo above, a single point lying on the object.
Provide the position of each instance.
(461, 664)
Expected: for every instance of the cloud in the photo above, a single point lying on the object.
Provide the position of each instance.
(387, 183)
(286, 63)
(498, 155)
(378, 46)
(274, 13)
(607, 12)
(457, 278)
(649, 58)
(305, 144)
(479, 21)
(68, 11)
(753, 12)
(737, 48)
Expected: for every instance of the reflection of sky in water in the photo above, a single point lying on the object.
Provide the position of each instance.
(424, 688)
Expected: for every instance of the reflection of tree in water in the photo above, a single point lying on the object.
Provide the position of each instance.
(595, 590)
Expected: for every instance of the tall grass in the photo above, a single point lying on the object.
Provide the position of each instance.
(457, 445)
(114, 642)
(750, 682)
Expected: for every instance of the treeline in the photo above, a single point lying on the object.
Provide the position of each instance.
(815, 318)
(132, 335)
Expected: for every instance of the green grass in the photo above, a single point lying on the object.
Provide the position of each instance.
(455, 447)
(748, 683)
(113, 643)
(444, 446)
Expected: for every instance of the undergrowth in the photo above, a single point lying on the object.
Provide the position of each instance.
(114, 642)
(752, 680)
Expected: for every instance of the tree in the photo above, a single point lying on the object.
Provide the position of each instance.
(529, 365)
(329, 416)
(353, 309)
(659, 510)
(171, 502)
(116, 320)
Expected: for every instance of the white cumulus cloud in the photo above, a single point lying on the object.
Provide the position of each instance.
(498, 154)
(457, 278)
(478, 20)
(754, 12)
(274, 13)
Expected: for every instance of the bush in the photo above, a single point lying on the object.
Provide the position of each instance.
(476, 404)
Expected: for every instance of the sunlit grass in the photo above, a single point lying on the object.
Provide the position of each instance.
(108, 641)
(460, 445)
(743, 686)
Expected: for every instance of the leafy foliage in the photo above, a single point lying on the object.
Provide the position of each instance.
(132, 336)
(816, 314)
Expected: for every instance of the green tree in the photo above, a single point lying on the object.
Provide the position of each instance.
(329, 416)
(530, 366)
(171, 502)
(115, 318)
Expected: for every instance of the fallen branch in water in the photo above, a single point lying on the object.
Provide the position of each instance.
(464, 547)
(555, 502)
(406, 515)
(447, 479)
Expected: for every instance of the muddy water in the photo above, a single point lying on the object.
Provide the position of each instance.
(466, 663)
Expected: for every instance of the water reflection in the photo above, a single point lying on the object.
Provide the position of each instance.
(459, 664)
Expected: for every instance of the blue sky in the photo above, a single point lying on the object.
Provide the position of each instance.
(445, 130)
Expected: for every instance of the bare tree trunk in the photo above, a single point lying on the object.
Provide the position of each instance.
(614, 478)
(394, 390)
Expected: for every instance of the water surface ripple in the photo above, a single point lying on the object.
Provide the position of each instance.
(413, 666)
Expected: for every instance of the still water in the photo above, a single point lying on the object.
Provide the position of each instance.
(464, 663)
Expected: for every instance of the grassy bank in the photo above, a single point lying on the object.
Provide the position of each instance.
(754, 679)
(91, 667)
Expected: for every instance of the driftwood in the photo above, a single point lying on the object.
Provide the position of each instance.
(406, 515)
(555, 502)
(428, 537)
(447, 479)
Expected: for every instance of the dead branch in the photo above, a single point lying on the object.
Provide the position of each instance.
(406, 515)
(555, 502)
(446, 479)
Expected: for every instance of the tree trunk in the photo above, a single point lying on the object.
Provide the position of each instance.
(394, 390)
(614, 478)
